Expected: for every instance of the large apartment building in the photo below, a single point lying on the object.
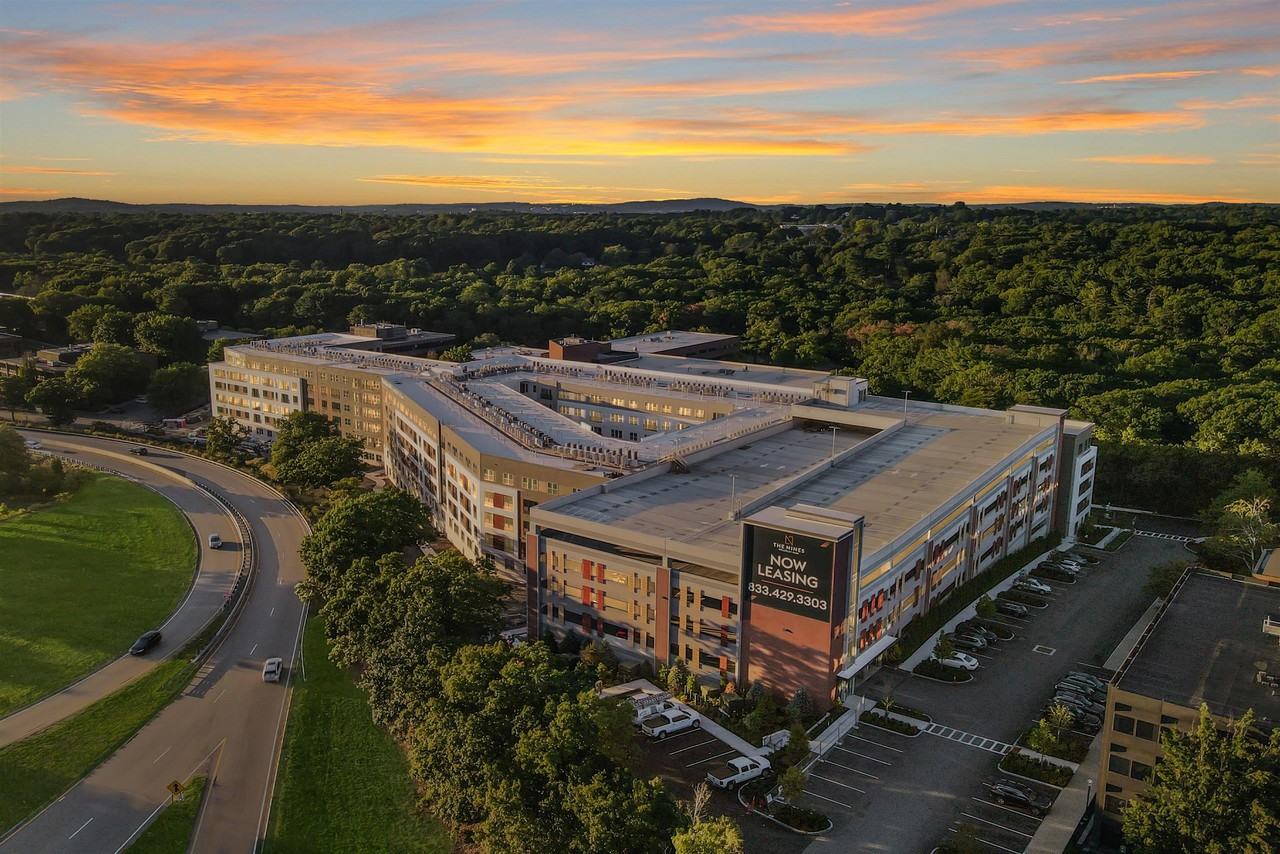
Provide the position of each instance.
(756, 522)
(1216, 640)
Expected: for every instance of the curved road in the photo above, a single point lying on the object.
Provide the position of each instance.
(214, 579)
(227, 717)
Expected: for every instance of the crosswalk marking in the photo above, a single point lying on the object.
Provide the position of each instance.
(1178, 538)
(970, 739)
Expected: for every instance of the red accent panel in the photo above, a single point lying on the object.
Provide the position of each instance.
(724, 606)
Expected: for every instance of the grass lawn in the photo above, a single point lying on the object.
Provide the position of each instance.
(170, 833)
(81, 579)
(343, 783)
(38, 769)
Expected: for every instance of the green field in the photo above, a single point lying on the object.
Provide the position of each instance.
(170, 833)
(343, 783)
(81, 579)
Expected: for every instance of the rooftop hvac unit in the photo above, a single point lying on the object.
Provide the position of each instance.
(1271, 625)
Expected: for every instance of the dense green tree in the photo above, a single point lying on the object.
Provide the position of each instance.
(109, 373)
(15, 461)
(718, 835)
(362, 525)
(178, 387)
(168, 337)
(321, 462)
(13, 392)
(222, 437)
(295, 431)
(1214, 792)
(57, 398)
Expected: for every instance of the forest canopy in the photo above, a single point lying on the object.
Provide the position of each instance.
(1161, 324)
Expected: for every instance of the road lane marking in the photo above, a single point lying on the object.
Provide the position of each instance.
(80, 828)
(863, 755)
(264, 811)
(713, 758)
(849, 768)
(692, 746)
(273, 613)
(255, 649)
(161, 756)
(989, 842)
(994, 824)
(878, 744)
(836, 782)
(832, 800)
(220, 693)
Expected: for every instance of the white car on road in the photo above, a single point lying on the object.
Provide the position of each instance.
(670, 722)
(737, 771)
(957, 660)
(271, 669)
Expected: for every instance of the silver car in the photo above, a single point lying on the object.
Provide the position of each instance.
(271, 669)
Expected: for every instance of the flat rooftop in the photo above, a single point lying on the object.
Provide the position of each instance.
(893, 483)
(659, 342)
(720, 369)
(697, 507)
(1207, 646)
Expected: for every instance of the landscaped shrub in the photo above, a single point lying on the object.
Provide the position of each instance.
(870, 717)
(1036, 769)
(934, 670)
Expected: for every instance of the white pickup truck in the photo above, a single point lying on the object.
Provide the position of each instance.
(737, 771)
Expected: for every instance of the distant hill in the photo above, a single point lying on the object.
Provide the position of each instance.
(103, 206)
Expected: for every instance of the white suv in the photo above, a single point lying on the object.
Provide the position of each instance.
(670, 722)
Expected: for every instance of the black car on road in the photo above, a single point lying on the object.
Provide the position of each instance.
(145, 643)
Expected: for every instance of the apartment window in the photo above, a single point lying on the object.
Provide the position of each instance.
(1123, 723)
(1145, 730)
(508, 479)
(490, 475)
(1119, 765)
(1114, 804)
(1140, 771)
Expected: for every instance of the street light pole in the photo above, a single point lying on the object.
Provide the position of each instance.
(905, 395)
(834, 428)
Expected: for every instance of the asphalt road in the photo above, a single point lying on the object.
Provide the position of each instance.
(213, 580)
(227, 718)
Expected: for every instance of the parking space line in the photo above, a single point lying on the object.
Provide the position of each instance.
(989, 842)
(711, 758)
(863, 755)
(851, 768)
(1006, 809)
(837, 783)
(832, 800)
(878, 744)
(692, 746)
(994, 824)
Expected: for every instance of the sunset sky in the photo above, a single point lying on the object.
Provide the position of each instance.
(276, 101)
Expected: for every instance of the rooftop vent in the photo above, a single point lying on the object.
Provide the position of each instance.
(1271, 625)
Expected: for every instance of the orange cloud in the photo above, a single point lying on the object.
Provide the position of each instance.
(27, 191)
(49, 170)
(1141, 76)
(1151, 159)
(1262, 70)
(849, 20)
(1098, 195)
(1246, 102)
(536, 187)
(1090, 51)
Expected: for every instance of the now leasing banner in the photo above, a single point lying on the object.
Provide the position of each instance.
(791, 572)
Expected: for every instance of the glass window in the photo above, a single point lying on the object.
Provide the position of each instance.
(1123, 723)
(1118, 764)
(1145, 729)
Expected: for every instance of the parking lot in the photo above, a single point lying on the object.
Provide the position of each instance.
(683, 760)
(937, 782)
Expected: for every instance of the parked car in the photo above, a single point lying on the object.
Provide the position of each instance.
(1056, 566)
(670, 722)
(957, 661)
(1009, 793)
(140, 451)
(271, 669)
(1080, 556)
(1078, 702)
(215, 542)
(976, 638)
(1089, 679)
(146, 642)
(1032, 585)
(737, 771)
(976, 628)
(968, 643)
(1079, 686)
(650, 710)
(1085, 721)
(1012, 609)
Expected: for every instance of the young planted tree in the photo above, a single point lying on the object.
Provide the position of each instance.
(791, 784)
(1247, 530)
(717, 835)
